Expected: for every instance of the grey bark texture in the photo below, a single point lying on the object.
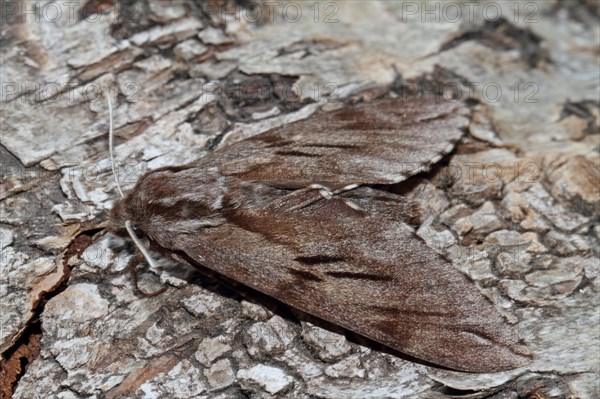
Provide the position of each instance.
(515, 206)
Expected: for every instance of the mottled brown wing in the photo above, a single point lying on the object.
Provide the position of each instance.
(369, 274)
(383, 142)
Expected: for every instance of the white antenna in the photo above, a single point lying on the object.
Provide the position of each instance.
(138, 243)
(110, 144)
(128, 226)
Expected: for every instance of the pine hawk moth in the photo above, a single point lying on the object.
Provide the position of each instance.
(294, 213)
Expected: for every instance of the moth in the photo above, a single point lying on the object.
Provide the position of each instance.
(296, 213)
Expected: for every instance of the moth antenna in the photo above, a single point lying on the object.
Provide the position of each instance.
(139, 244)
(128, 226)
(110, 144)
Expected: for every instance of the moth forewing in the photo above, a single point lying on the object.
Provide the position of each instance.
(276, 212)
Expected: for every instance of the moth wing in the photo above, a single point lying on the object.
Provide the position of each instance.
(378, 143)
(369, 274)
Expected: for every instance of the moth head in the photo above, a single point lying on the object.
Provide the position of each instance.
(168, 202)
(136, 209)
(117, 217)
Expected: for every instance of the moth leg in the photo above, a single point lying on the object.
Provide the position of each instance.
(328, 193)
(132, 266)
(325, 191)
(348, 187)
(346, 201)
(307, 196)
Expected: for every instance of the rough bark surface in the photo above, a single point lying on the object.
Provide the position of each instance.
(516, 206)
